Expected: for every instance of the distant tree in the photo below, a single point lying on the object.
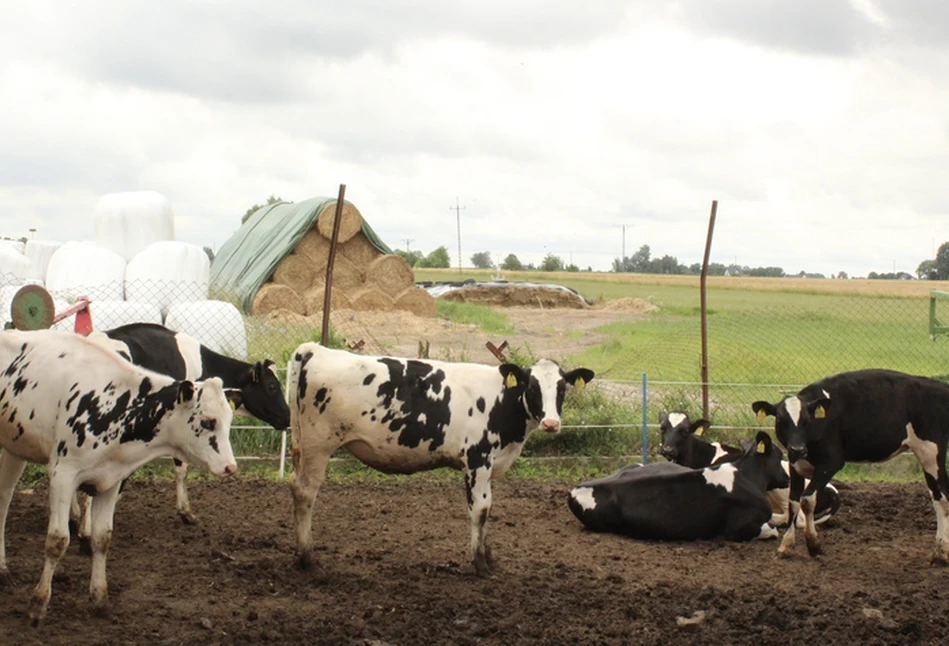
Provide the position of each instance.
(571, 267)
(551, 263)
(927, 270)
(411, 257)
(210, 252)
(482, 260)
(438, 259)
(250, 211)
(842, 275)
(942, 262)
(639, 261)
(511, 263)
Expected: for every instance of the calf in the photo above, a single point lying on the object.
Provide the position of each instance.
(683, 444)
(178, 355)
(862, 416)
(404, 416)
(92, 419)
(667, 501)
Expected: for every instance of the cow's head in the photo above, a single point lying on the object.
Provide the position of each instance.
(262, 395)
(541, 388)
(796, 422)
(201, 424)
(677, 431)
(761, 463)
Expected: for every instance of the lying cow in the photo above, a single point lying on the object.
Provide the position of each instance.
(667, 501)
(93, 418)
(862, 416)
(682, 443)
(180, 356)
(404, 416)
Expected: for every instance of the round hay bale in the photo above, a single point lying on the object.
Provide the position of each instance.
(272, 296)
(391, 274)
(360, 250)
(313, 300)
(417, 301)
(346, 275)
(349, 225)
(287, 317)
(315, 247)
(296, 272)
(371, 299)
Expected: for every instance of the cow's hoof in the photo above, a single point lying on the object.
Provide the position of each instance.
(37, 612)
(102, 609)
(782, 554)
(187, 518)
(5, 578)
(813, 550)
(939, 561)
(482, 566)
(85, 545)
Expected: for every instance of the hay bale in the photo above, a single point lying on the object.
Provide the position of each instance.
(371, 299)
(417, 301)
(391, 274)
(360, 250)
(346, 275)
(313, 300)
(296, 272)
(272, 296)
(315, 247)
(349, 225)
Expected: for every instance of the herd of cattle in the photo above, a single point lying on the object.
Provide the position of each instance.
(94, 409)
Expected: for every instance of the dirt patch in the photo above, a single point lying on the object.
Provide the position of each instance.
(395, 571)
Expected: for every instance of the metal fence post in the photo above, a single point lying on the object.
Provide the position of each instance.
(645, 419)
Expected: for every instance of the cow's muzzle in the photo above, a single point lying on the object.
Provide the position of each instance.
(796, 453)
(668, 453)
(550, 425)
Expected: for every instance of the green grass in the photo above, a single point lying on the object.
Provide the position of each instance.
(487, 318)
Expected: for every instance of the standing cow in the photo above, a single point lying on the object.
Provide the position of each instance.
(667, 501)
(682, 443)
(862, 416)
(404, 415)
(93, 418)
(180, 356)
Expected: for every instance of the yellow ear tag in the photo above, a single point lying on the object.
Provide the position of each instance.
(761, 416)
(760, 447)
(579, 383)
(820, 413)
(511, 381)
(231, 402)
(700, 431)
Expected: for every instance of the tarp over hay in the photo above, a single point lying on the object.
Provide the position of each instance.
(251, 255)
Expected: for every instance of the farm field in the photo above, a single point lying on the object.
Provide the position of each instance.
(395, 572)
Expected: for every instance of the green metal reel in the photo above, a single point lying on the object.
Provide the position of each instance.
(32, 308)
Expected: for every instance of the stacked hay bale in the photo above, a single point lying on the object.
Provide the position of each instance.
(364, 278)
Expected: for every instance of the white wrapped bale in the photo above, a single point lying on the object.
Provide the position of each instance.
(14, 266)
(168, 272)
(111, 314)
(13, 245)
(126, 223)
(39, 252)
(83, 269)
(68, 323)
(217, 324)
(7, 292)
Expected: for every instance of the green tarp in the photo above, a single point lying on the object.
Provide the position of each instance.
(250, 256)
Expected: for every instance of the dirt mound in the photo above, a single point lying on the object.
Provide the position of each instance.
(627, 304)
(515, 295)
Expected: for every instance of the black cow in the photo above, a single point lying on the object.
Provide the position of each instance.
(667, 501)
(180, 356)
(863, 416)
(682, 443)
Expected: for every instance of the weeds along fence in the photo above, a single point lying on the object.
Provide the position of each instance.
(761, 345)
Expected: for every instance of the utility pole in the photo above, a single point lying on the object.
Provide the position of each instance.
(457, 210)
(408, 241)
(623, 257)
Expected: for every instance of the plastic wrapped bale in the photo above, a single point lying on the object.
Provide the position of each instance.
(168, 272)
(83, 269)
(14, 266)
(111, 314)
(217, 324)
(7, 292)
(39, 252)
(126, 223)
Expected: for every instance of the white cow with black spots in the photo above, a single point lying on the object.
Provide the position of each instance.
(93, 418)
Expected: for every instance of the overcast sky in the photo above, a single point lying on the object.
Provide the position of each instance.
(820, 126)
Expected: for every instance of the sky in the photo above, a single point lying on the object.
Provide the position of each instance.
(820, 127)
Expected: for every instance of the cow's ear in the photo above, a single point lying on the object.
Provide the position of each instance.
(513, 375)
(663, 417)
(763, 443)
(699, 427)
(258, 374)
(579, 377)
(185, 391)
(818, 409)
(763, 410)
(234, 397)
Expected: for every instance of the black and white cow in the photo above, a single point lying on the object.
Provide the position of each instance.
(682, 442)
(93, 418)
(403, 416)
(862, 416)
(181, 356)
(667, 501)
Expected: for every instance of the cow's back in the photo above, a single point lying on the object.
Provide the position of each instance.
(157, 348)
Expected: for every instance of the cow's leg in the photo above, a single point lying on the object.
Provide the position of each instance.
(794, 505)
(778, 499)
(85, 526)
(61, 489)
(183, 503)
(75, 516)
(478, 491)
(103, 509)
(11, 468)
(933, 461)
(808, 505)
(308, 477)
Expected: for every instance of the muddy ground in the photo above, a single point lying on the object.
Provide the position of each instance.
(395, 572)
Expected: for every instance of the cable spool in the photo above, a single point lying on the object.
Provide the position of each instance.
(32, 308)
